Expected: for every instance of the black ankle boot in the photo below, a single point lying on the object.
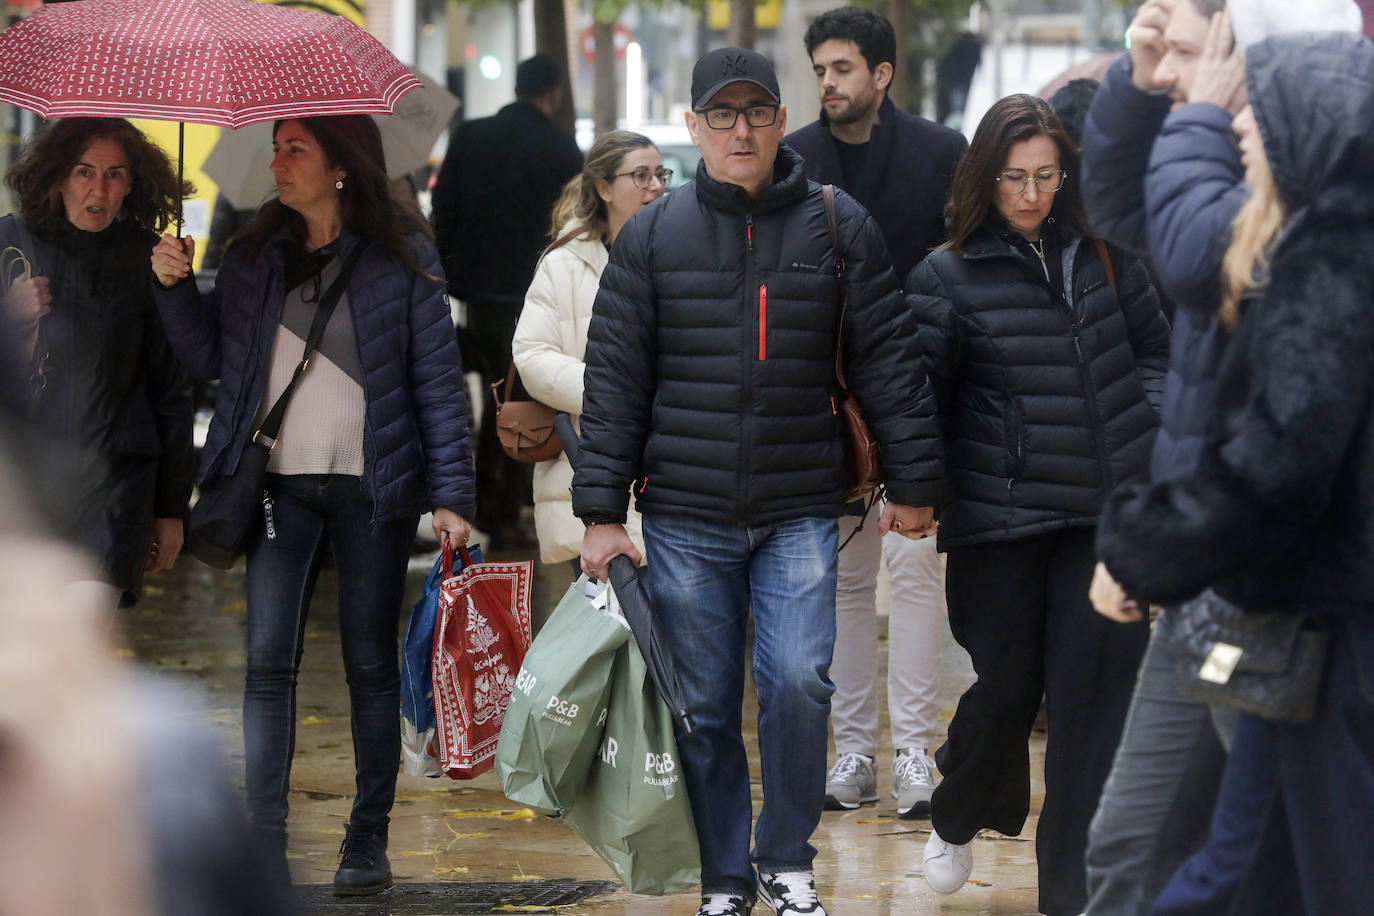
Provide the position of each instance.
(363, 866)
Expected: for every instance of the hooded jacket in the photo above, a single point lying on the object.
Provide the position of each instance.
(1279, 512)
(710, 378)
(911, 162)
(415, 438)
(1046, 404)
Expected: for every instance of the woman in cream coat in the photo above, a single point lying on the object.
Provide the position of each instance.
(623, 173)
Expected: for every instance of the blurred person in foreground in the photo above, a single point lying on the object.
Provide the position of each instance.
(623, 173)
(1046, 352)
(375, 434)
(93, 192)
(1163, 177)
(899, 167)
(1276, 513)
(492, 202)
(113, 793)
(710, 387)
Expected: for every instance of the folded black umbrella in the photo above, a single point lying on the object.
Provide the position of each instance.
(639, 612)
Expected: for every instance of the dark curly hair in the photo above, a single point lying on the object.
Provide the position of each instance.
(369, 207)
(867, 28)
(37, 177)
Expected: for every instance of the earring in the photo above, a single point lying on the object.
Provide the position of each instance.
(339, 184)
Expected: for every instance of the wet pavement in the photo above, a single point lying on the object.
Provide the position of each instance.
(451, 840)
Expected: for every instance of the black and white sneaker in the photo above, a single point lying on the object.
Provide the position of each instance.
(724, 905)
(790, 892)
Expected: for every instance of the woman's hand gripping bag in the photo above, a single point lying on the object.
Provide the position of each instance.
(557, 710)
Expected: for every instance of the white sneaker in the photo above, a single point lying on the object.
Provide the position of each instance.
(790, 892)
(947, 865)
(853, 781)
(723, 905)
(913, 779)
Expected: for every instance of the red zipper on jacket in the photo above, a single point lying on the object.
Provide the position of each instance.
(763, 321)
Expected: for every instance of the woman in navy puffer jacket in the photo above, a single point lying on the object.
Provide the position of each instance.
(376, 433)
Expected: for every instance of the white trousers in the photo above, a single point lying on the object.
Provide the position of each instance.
(916, 622)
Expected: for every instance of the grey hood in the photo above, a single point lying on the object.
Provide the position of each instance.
(1313, 98)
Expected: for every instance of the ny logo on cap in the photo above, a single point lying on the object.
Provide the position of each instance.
(735, 65)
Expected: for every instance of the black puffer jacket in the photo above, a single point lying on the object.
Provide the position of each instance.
(113, 389)
(1045, 406)
(710, 359)
(1279, 513)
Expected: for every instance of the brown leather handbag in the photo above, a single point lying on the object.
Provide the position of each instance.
(525, 428)
(865, 470)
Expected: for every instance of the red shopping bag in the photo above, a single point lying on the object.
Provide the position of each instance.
(480, 638)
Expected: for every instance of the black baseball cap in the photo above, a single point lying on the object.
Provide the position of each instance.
(723, 66)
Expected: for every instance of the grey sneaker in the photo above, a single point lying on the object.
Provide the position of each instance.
(790, 892)
(853, 781)
(913, 779)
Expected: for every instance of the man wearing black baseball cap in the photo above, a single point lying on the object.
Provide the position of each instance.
(710, 388)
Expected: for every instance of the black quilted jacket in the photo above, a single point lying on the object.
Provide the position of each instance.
(1046, 405)
(710, 360)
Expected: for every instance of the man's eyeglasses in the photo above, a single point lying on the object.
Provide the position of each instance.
(643, 177)
(725, 118)
(1015, 182)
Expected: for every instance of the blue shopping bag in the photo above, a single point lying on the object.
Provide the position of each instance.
(417, 654)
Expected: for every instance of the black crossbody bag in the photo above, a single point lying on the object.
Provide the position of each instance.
(229, 506)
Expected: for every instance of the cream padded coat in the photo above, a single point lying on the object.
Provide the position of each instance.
(548, 347)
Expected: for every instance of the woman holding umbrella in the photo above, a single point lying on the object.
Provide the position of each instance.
(375, 434)
(101, 375)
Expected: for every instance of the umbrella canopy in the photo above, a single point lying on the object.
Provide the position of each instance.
(240, 163)
(639, 613)
(225, 62)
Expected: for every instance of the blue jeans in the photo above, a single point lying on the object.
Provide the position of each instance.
(370, 559)
(705, 579)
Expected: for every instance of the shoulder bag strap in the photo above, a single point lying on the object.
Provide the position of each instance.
(1106, 261)
(271, 425)
(828, 193)
(503, 395)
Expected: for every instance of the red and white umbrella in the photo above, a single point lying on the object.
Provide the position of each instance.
(224, 62)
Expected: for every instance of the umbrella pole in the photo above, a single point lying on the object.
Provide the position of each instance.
(181, 161)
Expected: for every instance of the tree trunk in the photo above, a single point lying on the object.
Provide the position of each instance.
(899, 13)
(551, 38)
(603, 33)
(741, 31)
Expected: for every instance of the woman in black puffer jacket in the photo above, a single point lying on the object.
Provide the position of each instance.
(1048, 364)
(102, 377)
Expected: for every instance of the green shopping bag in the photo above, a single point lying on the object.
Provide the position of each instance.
(558, 707)
(633, 810)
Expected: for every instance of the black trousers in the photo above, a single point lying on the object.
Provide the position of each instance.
(1020, 608)
(503, 484)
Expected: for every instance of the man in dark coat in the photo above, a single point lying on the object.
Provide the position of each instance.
(492, 206)
(709, 387)
(899, 166)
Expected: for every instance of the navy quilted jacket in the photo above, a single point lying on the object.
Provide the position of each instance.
(1046, 404)
(415, 445)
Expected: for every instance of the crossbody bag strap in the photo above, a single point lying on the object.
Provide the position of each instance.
(271, 425)
(828, 193)
(1106, 257)
(503, 395)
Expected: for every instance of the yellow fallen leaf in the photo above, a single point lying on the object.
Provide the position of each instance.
(529, 908)
(524, 877)
(471, 836)
(451, 870)
(505, 814)
(416, 852)
(866, 897)
(334, 831)
(234, 607)
(314, 720)
(979, 883)
(123, 653)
